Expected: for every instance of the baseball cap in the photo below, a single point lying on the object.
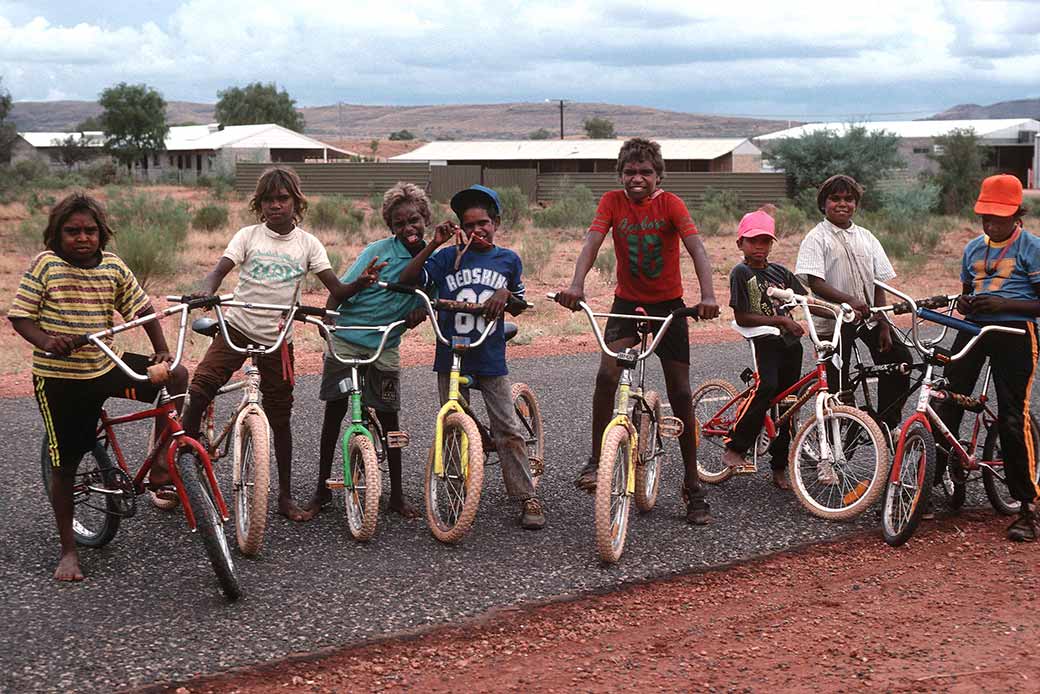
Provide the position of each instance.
(464, 199)
(756, 223)
(1001, 195)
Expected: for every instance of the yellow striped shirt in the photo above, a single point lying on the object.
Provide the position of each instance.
(63, 299)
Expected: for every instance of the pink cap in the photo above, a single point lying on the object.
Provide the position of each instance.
(756, 223)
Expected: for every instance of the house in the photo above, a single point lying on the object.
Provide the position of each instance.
(1012, 141)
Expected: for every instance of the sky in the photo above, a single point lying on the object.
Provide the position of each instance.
(808, 61)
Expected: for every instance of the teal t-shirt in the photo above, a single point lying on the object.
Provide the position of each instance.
(1010, 270)
(376, 306)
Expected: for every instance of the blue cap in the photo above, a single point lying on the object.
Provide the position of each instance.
(464, 199)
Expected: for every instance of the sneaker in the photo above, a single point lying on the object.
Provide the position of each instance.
(1024, 529)
(532, 515)
(586, 479)
(698, 512)
(825, 473)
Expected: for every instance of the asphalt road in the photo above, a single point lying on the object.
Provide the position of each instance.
(150, 610)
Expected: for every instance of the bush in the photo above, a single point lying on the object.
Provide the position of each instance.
(103, 173)
(210, 217)
(336, 212)
(30, 233)
(575, 208)
(727, 201)
(401, 135)
(515, 206)
(913, 202)
(960, 170)
(149, 233)
(790, 219)
(1032, 208)
(536, 252)
(220, 186)
(37, 202)
(605, 264)
(712, 219)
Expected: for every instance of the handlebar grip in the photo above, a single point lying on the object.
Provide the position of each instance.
(201, 302)
(938, 301)
(513, 301)
(780, 294)
(398, 287)
(458, 306)
(310, 311)
(686, 312)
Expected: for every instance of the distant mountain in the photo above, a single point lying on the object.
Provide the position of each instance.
(478, 121)
(1020, 108)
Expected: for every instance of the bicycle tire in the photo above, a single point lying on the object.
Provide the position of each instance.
(449, 522)
(648, 467)
(250, 480)
(208, 523)
(612, 498)
(365, 485)
(909, 486)
(95, 527)
(530, 413)
(995, 483)
(859, 476)
(707, 399)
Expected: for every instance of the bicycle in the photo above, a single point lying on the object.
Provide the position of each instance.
(909, 484)
(632, 448)
(455, 467)
(837, 463)
(104, 493)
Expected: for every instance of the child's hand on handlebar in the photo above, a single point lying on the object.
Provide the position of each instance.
(861, 308)
(965, 303)
(707, 309)
(570, 297)
(792, 327)
(988, 303)
(162, 357)
(494, 306)
(62, 345)
(415, 318)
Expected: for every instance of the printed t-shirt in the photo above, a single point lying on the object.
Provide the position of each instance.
(1016, 275)
(63, 299)
(271, 270)
(480, 275)
(375, 306)
(646, 242)
(747, 293)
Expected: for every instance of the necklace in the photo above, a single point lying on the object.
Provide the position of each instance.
(996, 263)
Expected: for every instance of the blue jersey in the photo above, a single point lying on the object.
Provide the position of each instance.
(480, 274)
(1010, 269)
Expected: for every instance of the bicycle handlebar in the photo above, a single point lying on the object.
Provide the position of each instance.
(843, 313)
(327, 334)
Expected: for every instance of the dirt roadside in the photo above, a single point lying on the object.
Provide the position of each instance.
(955, 610)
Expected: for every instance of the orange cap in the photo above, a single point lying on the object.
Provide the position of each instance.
(1001, 196)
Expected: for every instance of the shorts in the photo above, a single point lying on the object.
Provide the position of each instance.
(380, 390)
(674, 346)
(71, 407)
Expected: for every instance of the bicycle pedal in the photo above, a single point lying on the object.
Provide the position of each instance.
(334, 484)
(537, 466)
(397, 439)
(746, 469)
(670, 427)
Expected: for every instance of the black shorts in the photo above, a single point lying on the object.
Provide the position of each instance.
(674, 346)
(380, 390)
(71, 407)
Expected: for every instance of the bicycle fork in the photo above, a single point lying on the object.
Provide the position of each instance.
(455, 381)
(621, 419)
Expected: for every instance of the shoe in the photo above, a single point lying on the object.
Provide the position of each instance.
(928, 513)
(825, 473)
(1024, 529)
(532, 515)
(780, 480)
(586, 479)
(698, 512)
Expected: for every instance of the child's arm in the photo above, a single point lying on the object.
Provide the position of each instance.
(570, 297)
(340, 291)
(755, 320)
(156, 336)
(707, 308)
(413, 270)
(211, 282)
(55, 344)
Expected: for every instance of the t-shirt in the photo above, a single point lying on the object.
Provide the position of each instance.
(374, 306)
(272, 268)
(63, 299)
(646, 243)
(1015, 276)
(747, 293)
(480, 274)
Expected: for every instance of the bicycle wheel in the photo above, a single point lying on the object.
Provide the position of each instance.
(530, 415)
(250, 478)
(648, 468)
(844, 485)
(452, 497)
(709, 406)
(909, 487)
(364, 487)
(96, 515)
(208, 523)
(612, 498)
(994, 480)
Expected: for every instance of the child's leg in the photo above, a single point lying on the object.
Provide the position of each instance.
(838, 380)
(62, 480)
(891, 387)
(398, 504)
(770, 357)
(331, 424)
(677, 383)
(789, 371)
(278, 400)
(1013, 374)
(509, 437)
(215, 369)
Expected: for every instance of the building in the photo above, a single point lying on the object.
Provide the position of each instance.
(1012, 141)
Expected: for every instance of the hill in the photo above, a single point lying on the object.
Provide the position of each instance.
(477, 121)
(1020, 108)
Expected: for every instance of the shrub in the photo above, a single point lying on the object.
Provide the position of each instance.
(536, 252)
(220, 186)
(1032, 208)
(103, 173)
(727, 201)
(335, 212)
(37, 202)
(515, 206)
(960, 170)
(605, 264)
(713, 219)
(575, 208)
(210, 217)
(30, 233)
(149, 233)
(790, 219)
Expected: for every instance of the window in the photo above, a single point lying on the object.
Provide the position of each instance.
(938, 149)
(922, 150)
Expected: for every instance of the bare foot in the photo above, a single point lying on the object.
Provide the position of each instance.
(780, 480)
(316, 504)
(403, 508)
(732, 459)
(68, 568)
(291, 510)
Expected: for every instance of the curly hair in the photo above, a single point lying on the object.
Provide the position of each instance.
(641, 149)
(403, 193)
(839, 183)
(270, 180)
(70, 205)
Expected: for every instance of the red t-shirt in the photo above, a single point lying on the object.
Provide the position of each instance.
(646, 243)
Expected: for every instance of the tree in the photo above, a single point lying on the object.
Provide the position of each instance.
(73, 149)
(599, 128)
(374, 146)
(960, 160)
(8, 133)
(134, 122)
(539, 134)
(91, 124)
(258, 103)
(811, 159)
(402, 135)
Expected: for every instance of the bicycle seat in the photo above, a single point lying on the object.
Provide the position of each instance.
(206, 326)
(751, 333)
(509, 331)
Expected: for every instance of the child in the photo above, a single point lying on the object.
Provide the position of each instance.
(779, 358)
(69, 290)
(1000, 273)
(648, 225)
(406, 211)
(274, 256)
(488, 274)
(840, 261)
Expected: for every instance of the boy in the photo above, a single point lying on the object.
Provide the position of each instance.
(274, 256)
(1000, 274)
(406, 211)
(71, 289)
(779, 358)
(648, 225)
(481, 273)
(840, 261)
